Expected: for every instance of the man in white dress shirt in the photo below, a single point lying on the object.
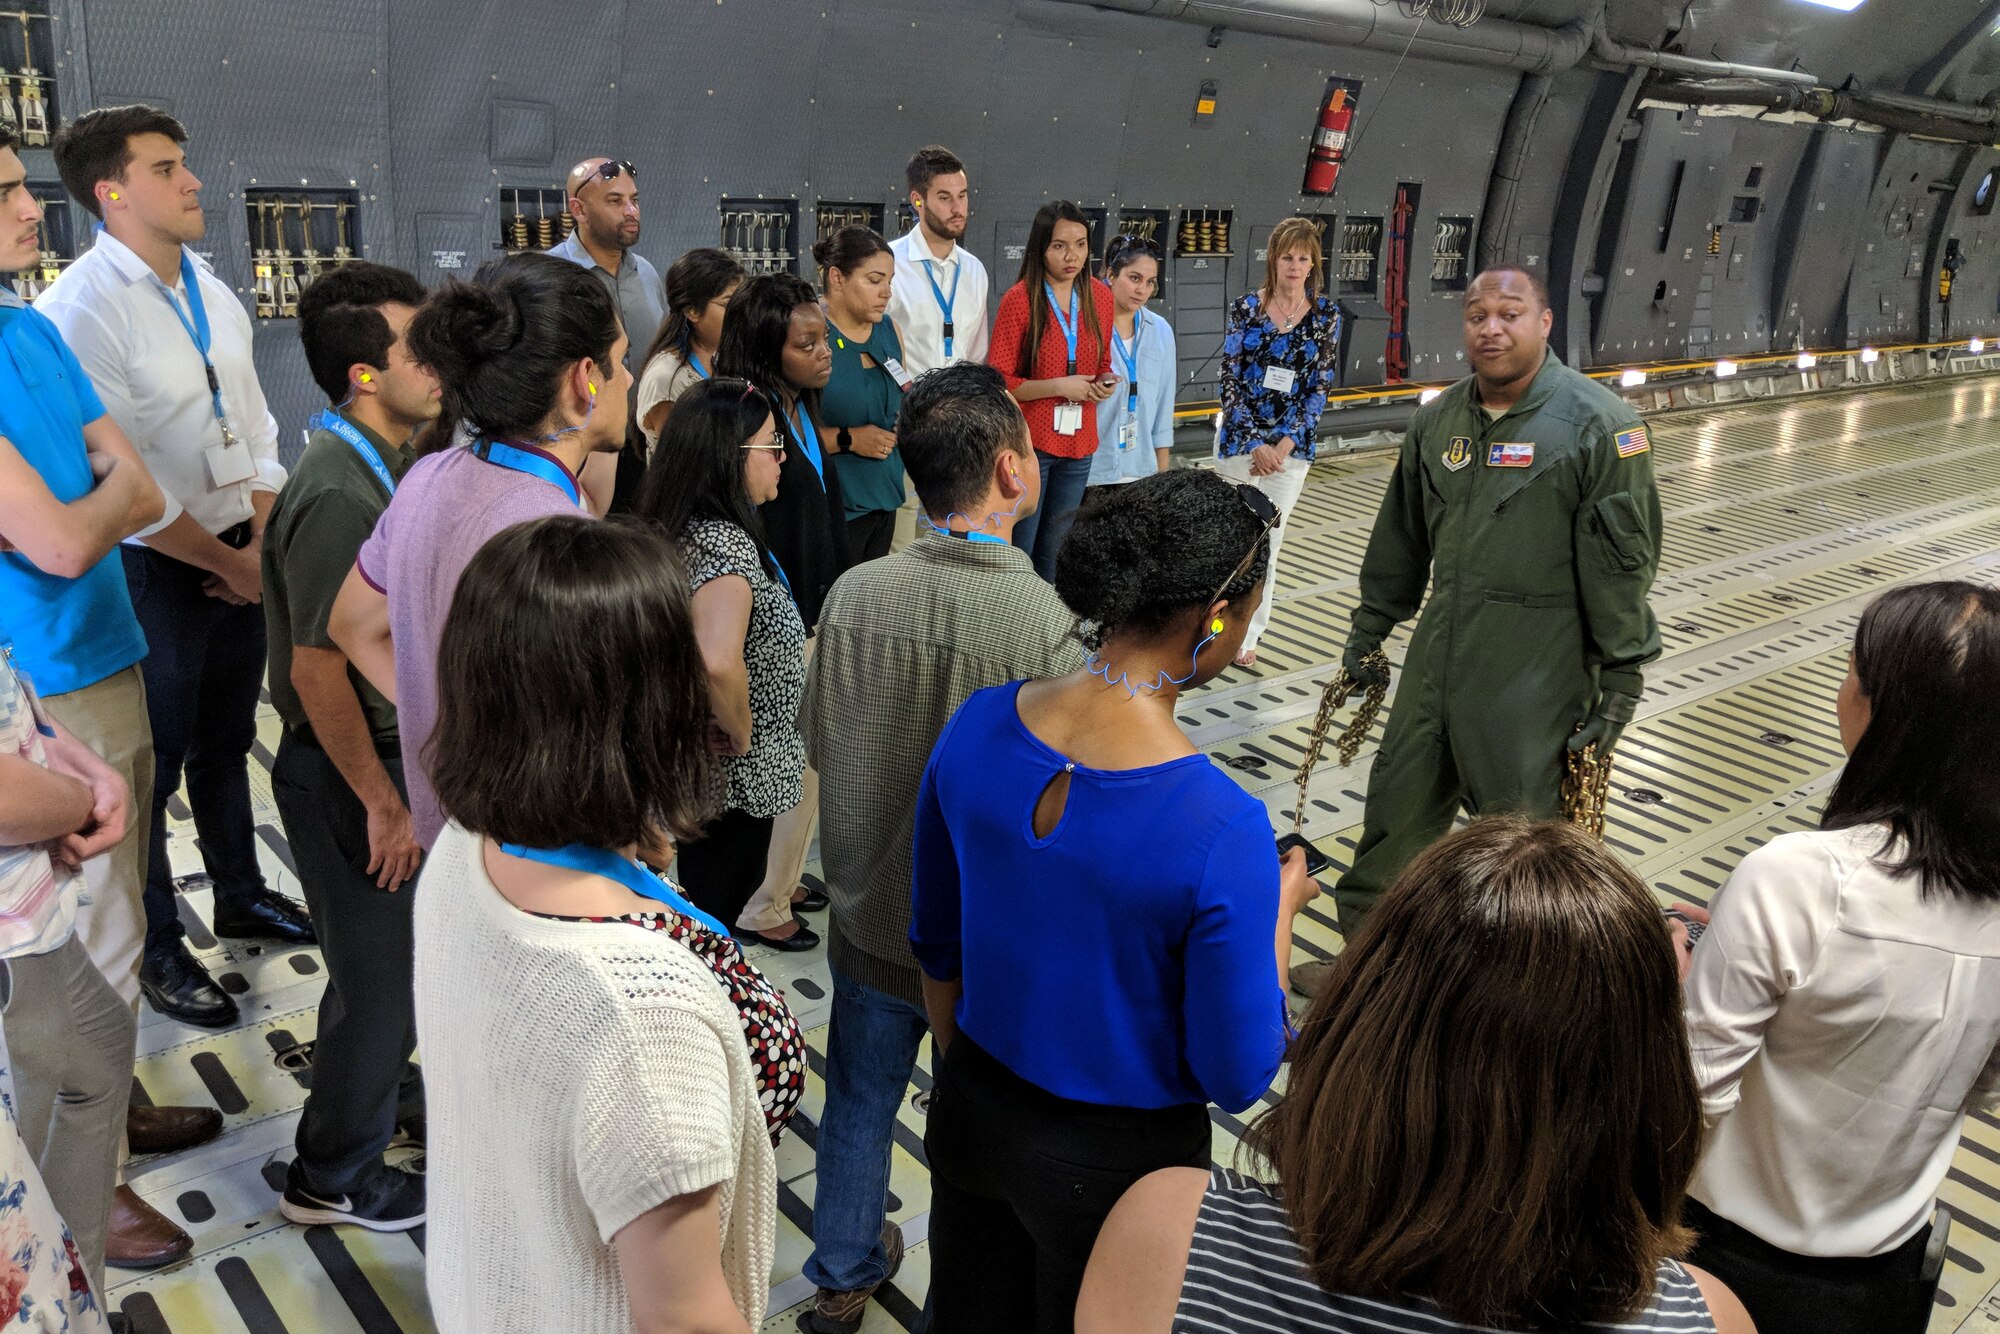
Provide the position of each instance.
(938, 295)
(167, 345)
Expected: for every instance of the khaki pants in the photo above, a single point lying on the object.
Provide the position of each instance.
(110, 718)
(71, 1038)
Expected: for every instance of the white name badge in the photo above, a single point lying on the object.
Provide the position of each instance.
(1279, 379)
(1069, 418)
(1128, 433)
(896, 372)
(229, 464)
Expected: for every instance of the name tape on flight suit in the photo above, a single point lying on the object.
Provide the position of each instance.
(1633, 442)
(1503, 455)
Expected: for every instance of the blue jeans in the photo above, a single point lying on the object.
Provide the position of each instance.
(1041, 534)
(203, 670)
(871, 1048)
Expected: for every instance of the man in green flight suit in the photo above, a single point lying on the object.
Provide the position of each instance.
(1525, 496)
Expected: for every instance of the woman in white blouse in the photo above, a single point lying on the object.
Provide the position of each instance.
(1844, 1004)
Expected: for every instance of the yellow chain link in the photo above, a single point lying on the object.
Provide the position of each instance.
(1586, 788)
(1331, 701)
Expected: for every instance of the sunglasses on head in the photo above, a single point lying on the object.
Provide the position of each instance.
(1126, 244)
(609, 171)
(1266, 511)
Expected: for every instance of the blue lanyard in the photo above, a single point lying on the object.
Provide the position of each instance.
(995, 539)
(202, 335)
(695, 362)
(1131, 359)
(807, 441)
(516, 459)
(327, 420)
(1069, 329)
(783, 582)
(605, 862)
(945, 303)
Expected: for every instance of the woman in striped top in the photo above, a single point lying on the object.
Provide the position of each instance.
(1490, 1125)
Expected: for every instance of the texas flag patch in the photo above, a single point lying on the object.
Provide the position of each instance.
(1633, 442)
(1500, 455)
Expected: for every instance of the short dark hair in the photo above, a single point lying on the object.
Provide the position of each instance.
(848, 248)
(1492, 1105)
(697, 470)
(952, 424)
(1533, 279)
(1142, 555)
(758, 326)
(1928, 658)
(97, 146)
(692, 281)
(572, 700)
(341, 323)
(501, 343)
(927, 164)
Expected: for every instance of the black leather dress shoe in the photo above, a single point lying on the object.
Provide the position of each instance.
(180, 988)
(266, 915)
(798, 942)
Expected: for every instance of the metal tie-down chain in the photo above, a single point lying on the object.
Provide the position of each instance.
(1331, 701)
(1586, 788)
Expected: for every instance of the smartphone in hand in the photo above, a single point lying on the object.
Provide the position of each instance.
(1316, 861)
(1694, 928)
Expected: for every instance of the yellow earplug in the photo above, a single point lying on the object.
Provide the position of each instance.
(366, 377)
(593, 391)
(1216, 625)
(114, 194)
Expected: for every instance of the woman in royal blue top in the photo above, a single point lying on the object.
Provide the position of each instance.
(1280, 358)
(1099, 911)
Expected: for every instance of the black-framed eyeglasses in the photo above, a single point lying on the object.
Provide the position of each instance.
(1266, 511)
(609, 171)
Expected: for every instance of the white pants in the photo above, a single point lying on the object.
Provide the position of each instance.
(1283, 488)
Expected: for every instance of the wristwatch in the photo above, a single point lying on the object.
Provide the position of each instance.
(844, 439)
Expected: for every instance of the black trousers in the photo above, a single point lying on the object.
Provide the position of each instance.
(367, 1018)
(203, 668)
(1806, 1294)
(1021, 1182)
(870, 535)
(722, 869)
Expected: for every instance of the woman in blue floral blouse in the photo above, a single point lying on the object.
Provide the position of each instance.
(1280, 357)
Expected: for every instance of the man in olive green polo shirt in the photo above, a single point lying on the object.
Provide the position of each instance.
(338, 778)
(1524, 497)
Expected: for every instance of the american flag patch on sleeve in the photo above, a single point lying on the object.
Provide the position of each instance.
(1633, 442)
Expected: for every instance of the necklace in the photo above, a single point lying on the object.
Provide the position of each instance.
(1286, 321)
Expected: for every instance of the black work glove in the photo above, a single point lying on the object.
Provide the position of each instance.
(1362, 674)
(1606, 722)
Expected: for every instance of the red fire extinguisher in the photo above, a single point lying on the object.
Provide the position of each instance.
(1329, 144)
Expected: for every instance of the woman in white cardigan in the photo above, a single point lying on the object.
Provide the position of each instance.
(1844, 1005)
(605, 1075)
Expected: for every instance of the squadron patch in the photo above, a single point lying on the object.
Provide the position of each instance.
(1458, 453)
(1499, 455)
(1633, 442)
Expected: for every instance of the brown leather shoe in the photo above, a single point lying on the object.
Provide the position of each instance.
(170, 1129)
(140, 1236)
(1309, 978)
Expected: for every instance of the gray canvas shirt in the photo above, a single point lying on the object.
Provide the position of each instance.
(903, 641)
(636, 287)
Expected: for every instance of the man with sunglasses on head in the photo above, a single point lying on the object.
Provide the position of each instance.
(604, 200)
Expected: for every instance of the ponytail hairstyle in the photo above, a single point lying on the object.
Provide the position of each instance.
(1141, 556)
(1034, 274)
(501, 343)
(692, 281)
(847, 249)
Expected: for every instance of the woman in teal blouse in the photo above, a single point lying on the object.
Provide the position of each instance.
(858, 407)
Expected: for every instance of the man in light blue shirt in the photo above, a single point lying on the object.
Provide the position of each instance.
(604, 200)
